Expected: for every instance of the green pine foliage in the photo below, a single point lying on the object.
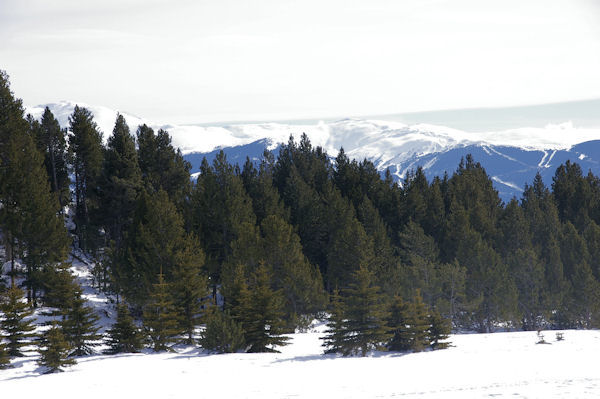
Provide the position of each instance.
(4, 356)
(310, 223)
(335, 339)
(439, 331)
(54, 350)
(399, 322)
(261, 313)
(85, 146)
(60, 288)
(79, 325)
(16, 323)
(221, 334)
(161, 319)
(124, 336)
(190, 286)
(121, 182)
(51, 140)
(365, 313)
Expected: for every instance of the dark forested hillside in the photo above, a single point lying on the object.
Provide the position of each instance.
(275, 243)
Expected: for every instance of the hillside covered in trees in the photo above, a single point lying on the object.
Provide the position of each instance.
(257, 250)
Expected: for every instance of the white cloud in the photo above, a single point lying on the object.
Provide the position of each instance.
(188, 61)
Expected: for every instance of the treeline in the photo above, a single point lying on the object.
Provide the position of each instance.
(257, 250)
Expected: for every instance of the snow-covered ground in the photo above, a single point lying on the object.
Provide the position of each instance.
(479, 365)
(508, 364)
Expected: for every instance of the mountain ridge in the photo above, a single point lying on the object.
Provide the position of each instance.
(511, 157)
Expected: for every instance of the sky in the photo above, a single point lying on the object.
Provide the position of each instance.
(198, 61)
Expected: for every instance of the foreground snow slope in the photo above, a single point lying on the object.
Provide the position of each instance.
(479, 365)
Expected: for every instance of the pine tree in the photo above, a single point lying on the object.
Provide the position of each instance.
(335, 339)
(222, 334)
(121, 183)
(161, 320)
(162, 165)
(419, 324)
(190, 286)
(60, 288)
(300, 283)
(124, 336)
(154, 245)
(16, 322)
(79, 326)
(31, 226)
(52, 141)
(399, 322)
(4, 356)
(366, 315)
(439, 330)
(261, 312)
(85, 145)
(221, 209)
(54, 350)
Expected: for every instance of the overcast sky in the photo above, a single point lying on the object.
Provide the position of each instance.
(200, 61)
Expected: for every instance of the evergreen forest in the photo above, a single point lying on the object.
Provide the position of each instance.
(243, 254)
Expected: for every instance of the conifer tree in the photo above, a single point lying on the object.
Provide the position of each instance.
(348, 246)
(54, 350)
(4, 356)
(79, 326)
(121, 183)
(16, 322)
(335, 339)
(221, 210)
(301, 283)
(261, 312)
(399, 322)
(85, 145)
(124, 336)
(161, 320)
(366, 314)
(190, 286)
(31, 227)
(222, 334)
(419, 323)
(439, 330)
(60, 288)
(153, 246)
(52, 141)
(162, 165)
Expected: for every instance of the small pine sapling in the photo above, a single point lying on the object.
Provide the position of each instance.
(124, 336)
(4, 357)
(54, 350)
(16, 322)
(222, 333)
(335, 336)
(439, 330)
(161, 320)
(79, 326)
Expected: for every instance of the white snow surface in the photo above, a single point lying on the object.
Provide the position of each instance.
(507, 364)
(478, 365)
(385, 141)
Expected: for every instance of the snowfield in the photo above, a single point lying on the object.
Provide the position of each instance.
(478, 365)
(507, 364)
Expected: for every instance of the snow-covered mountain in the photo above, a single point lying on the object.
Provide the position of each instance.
(511, 156)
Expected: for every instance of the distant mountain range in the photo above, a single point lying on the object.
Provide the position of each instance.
(511, 156)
